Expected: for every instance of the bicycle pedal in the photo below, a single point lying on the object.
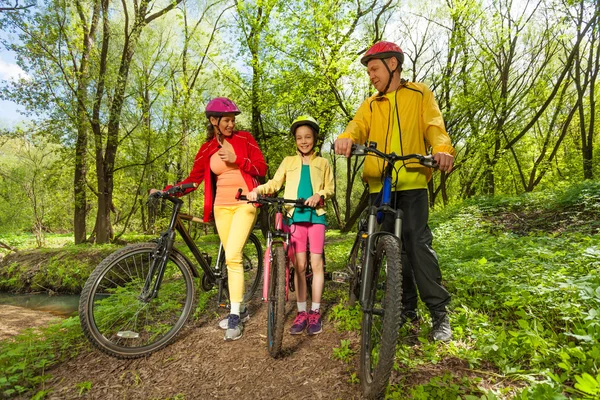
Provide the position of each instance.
(340, 276)
(224, 305)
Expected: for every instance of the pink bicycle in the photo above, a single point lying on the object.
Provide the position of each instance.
(278, 268)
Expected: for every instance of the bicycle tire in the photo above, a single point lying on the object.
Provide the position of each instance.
(276, 302)
(253, 267)
(117, 321)
(381, 319)
(354, 262)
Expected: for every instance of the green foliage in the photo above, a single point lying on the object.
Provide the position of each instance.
(25, 358)
(344, 352)
(346, 319)
(63, 270)
(84, 387)
(524, 309)
(445, 387)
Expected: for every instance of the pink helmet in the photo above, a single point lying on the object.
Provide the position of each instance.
(219, 106)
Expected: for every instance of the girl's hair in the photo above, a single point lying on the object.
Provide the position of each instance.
(312, 129)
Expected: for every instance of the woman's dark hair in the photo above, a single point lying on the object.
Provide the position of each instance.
(210, 132)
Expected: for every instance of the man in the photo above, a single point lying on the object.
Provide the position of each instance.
(403, 117)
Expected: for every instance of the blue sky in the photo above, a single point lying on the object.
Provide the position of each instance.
(9, 111)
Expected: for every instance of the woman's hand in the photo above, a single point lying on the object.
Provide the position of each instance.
(313, 200)
(226, 155)
(252, 196)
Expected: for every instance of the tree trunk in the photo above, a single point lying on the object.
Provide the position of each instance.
(80, 173)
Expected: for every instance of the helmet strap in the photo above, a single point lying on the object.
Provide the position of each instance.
(218, 130)
(391, 76)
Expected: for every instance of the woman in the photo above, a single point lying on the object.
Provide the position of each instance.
(228, 160)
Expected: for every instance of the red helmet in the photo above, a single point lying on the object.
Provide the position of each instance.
(219, 106)
(383, 50)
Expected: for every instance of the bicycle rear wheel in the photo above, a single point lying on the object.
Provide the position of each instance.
(253, 267)
(276, 302)
(115, 317)
(381, 319)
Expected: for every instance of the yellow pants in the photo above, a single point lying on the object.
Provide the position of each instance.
(237, 220)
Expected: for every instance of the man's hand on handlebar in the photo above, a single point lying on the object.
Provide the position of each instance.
(343, 147)
(445, 161)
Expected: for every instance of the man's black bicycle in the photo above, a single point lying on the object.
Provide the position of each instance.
(375, 275)
(138, 298)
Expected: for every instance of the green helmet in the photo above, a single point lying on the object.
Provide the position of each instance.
(305, 120)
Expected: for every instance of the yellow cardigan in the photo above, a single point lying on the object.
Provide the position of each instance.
(421, 124)
(288, 173)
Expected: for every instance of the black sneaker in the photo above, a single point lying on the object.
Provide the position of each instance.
(441, 330)
(409, 316)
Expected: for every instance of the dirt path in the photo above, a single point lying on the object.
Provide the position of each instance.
(200, 365)
(15, 319)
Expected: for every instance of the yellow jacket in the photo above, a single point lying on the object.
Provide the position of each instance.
(288, 173)
(421, 124)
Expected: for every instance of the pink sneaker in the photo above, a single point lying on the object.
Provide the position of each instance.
(315, 326)
(299, 323)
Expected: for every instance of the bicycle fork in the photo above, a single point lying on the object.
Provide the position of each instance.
(161, 257)
(370, 248)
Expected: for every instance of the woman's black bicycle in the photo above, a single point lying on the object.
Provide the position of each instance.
(138, 298)
(375, 275)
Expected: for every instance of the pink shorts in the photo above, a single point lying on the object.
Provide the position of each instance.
(303, 232)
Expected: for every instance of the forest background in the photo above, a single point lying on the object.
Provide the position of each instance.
(114, 93)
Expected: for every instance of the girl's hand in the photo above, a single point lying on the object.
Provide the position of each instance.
(252, 196)
(313, 200)
(226, 156)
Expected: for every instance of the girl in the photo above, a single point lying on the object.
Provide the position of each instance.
(307, 176)
(228, 160)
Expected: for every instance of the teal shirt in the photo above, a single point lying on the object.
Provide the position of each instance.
(306, 214)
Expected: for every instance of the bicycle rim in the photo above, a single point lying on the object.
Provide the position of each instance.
(113, 314)
(381, 319)
(276, 302)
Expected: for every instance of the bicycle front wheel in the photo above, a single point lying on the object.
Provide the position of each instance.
(276, 302)
(118, 319)
(381, 318)
(253, 267)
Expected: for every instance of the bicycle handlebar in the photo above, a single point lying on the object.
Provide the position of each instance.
(173, 190)
(360, 150)
(277, 200)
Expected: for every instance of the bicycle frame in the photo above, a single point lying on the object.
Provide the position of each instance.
(277, 237)
(381, 207)
(166, 241)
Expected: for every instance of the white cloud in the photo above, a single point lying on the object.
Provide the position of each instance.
(11, 71)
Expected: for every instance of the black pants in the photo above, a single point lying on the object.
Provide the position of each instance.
(420, 268)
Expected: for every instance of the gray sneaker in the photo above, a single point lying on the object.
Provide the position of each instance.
(441, 330)
(235, 328)
(244, 317)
